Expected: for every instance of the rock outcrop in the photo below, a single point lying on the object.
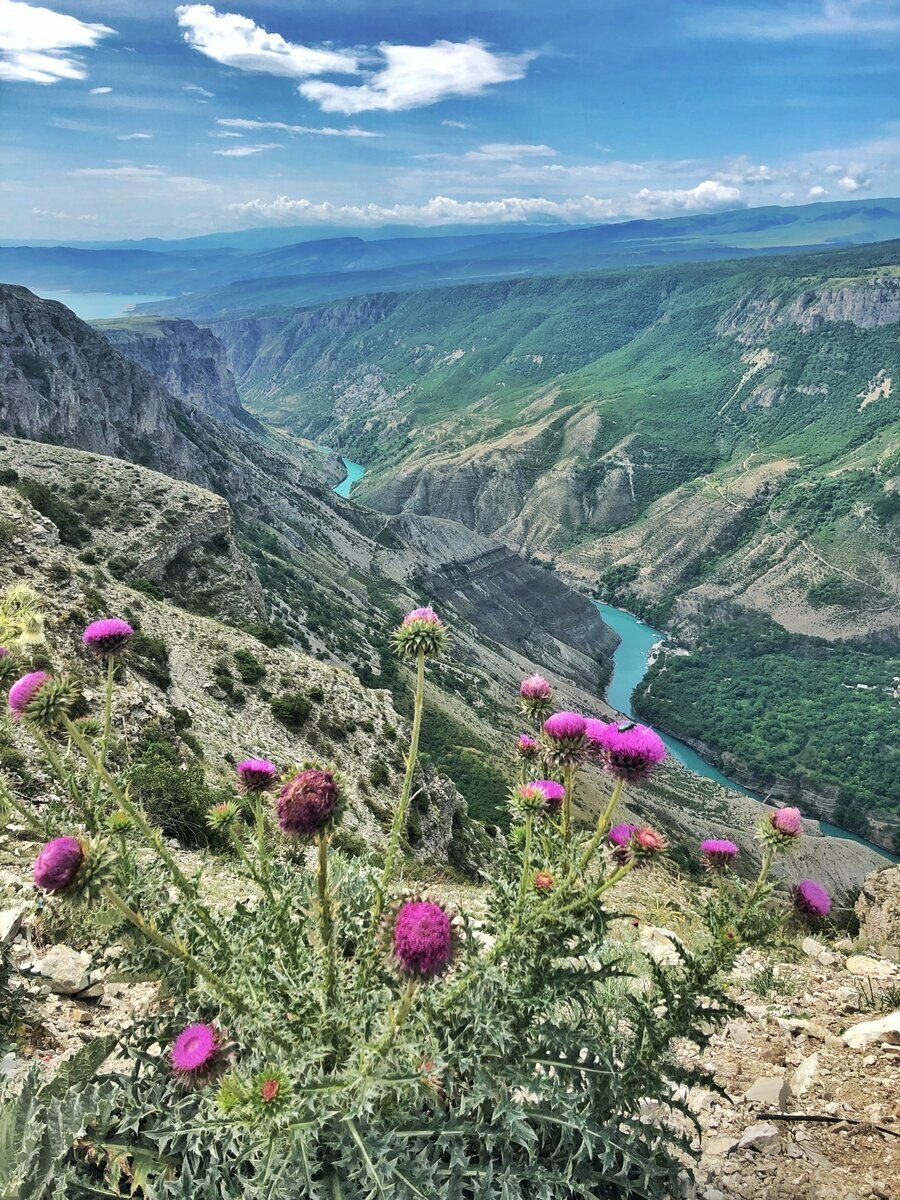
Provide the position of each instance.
(878, 909)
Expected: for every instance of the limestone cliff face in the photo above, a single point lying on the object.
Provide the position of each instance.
(188, 361)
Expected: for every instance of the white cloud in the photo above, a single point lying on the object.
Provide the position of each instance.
(237, 41)
(149, 177)
(101, 91)
(133, 137)
(326, 131)
(456, 124)
(223, 133)
(440, 210)
(817, 192)
(36, 43)
(63, 216)
(414, 76)
(498, 151)
(244, 151)
(852, 183)
(119, 172)
(742, 171)
(200, 91)
(829, 18)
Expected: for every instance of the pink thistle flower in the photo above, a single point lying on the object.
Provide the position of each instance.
(620, 835)
(787, 821)
(109, 636)
(593, 730)
(23, 691)
(563, 740)
(526, 747)
(811, 899)
(426, 614)
(420, 632)
(422, 939)
(194, 1051)
(554, 793)
(308, 803)
(647, 841)
(564, 726)
(535, 687)
(543, 881)
(256, 774)
(629, 751)
(718, 853)
(58, 864)
(269, 1090)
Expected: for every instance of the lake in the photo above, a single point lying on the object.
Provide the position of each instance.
(97, 306)
(630, 661)
(355, 472)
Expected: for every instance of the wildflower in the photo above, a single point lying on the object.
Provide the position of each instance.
(543, 881)
(256, 774)
(527, 798)
(554, 793)
(422, 939)
(628, 751)
(646, 842)
(270, 1090)
(119, 821)
(220, 816)
(40, 700)
(619, 838)
(535, 697)
(526, 747)
(309, 803)
(781, 827)
(107, 637)
(563, 739)
(811, 899)
(718, 853)
(56, 867)
(194, 1052)
(420, 632)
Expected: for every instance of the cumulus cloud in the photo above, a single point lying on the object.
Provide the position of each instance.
(237, 41)
(817, 192)
(36, 44)
(853, 183)
(414, 76)
(245, 151)
(133, 137)
(324, 131)
(440, 210)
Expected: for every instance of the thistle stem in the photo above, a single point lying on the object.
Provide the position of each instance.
(326, 922)
(603, 823)
(7, 799)
(761, 878)
(402, 810)
(174, 950)
(66, 778)
(526, 861)
(151, 835)
(569, 783)
(107, 710)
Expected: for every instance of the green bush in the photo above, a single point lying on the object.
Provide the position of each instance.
(149, 654)
(291, 709)
(250, 669)
(174, 794)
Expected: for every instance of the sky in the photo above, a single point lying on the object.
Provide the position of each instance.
(137, 118)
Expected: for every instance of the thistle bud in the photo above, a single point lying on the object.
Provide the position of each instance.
(536, 697)
(420, 632)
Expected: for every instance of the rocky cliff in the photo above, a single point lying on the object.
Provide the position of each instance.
(188, 361)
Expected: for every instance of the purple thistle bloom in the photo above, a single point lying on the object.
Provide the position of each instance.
(594, 730)
(535, 687)
(23, 691)
(787, 821)
(629, 752)
(256, 774)
(3, 652)
(554, 793)
(308, 802)
(426, 614)
(620, 835)
(811, 899)
(109, 636)
(565, 726)
(526, 746)
(194, 1050)
(423, 939)
(58, 863)
(718, 853)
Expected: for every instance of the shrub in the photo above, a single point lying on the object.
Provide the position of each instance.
(250, 669)
(150, 656)
(339, 1039)
(291, 709)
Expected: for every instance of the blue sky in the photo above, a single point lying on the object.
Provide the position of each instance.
(130, 118)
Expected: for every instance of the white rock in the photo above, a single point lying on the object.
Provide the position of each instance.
(659, 944)
(765, 1137)
(875, 968)
(10, 923)
(805, 1074)
(770, 1091)
(857, 1037)
(66, 970)
(718, 1147)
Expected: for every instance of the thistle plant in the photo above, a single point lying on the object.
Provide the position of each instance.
(341, 1037)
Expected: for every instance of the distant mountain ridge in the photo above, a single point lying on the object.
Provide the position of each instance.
(210, 277)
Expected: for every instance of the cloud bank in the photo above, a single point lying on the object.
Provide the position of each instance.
(36, 44)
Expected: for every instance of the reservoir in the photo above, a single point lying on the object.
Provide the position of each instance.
(355, 472)
(630, 661)
(97, 306)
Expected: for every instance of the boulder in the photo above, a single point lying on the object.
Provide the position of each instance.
(873, 968)
(878, 908)
(764, 1136)
(769, 1091)
(66, 971)
(866, 1033)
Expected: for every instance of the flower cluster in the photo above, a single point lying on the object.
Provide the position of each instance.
(718, 853)
(564, 740)
(628, 751)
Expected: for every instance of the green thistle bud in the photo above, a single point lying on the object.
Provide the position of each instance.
(119, 821)
(221, 816)
(420, 632)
